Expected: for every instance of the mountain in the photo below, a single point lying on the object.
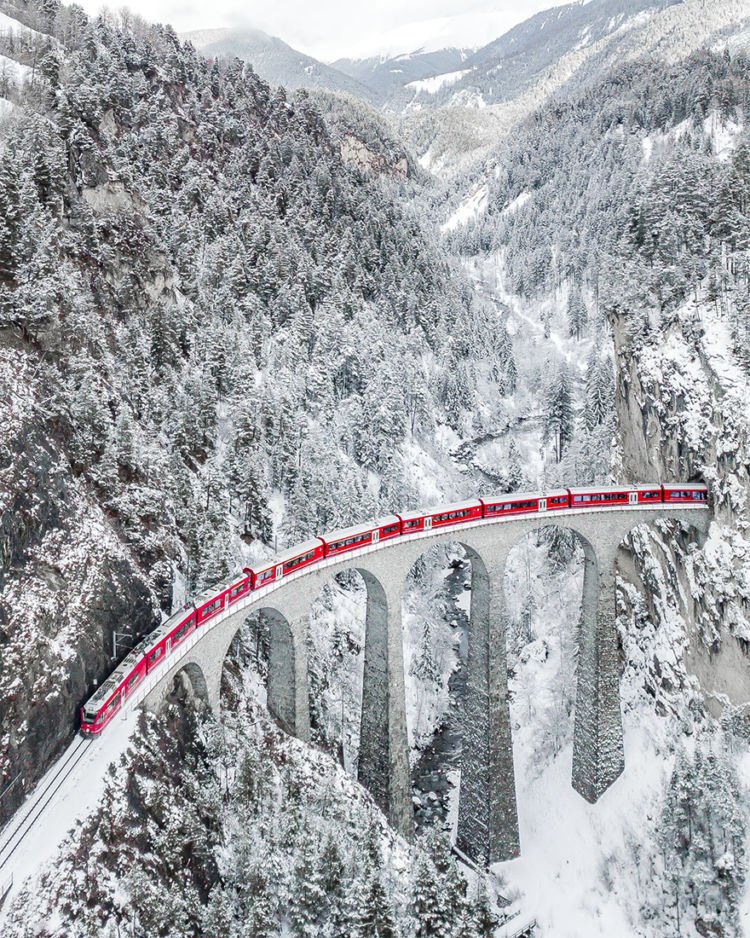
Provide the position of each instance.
(232, 317)
(387, 76)
(275, 61)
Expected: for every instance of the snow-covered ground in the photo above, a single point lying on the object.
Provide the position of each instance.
(470, 208)
(431, 85)
(85, 781)
(13, 72)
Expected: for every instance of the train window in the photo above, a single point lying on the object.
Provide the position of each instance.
(291, 564)
(700, 496)
(650, 496)
(182, 631)
(559, 500)
(389, 529)
(112, 704)
(155, 655)
(235, 591)
(357, 539)
(210, 608)
(412, 524)
(452, 515)
(133, 679)
(266, 575)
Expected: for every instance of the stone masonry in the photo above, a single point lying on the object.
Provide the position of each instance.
(487, 818)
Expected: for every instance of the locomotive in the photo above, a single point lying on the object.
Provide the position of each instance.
(153, 650)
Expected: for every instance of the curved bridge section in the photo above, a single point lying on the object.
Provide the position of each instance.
(488, 825)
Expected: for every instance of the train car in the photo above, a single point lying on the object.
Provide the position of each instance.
(649, 494)
(296, 558)
(517, 503)
(169, 634)
(412, 522)
(683, 493)
(260, 575)
(454, 514)
(102, 706)
(237, 587)
(364, 535)
(209, 603)
(594, 497)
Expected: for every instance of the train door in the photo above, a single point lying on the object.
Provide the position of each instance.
(427, 524)
(375, 537)
(167, 646)
(633, 498)
(279, 571)
(542, 504)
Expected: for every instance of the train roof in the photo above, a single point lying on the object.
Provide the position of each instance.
(679, 486)
(342, 533)
(303, 548)
(123, 669)
(522, 496)
(603, 489)
(455, 506)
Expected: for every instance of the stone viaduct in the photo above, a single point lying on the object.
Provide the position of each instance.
(488, 823)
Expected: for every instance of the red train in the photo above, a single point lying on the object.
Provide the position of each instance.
(149, 654)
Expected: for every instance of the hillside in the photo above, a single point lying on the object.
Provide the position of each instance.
(233, 315)
(275, 61)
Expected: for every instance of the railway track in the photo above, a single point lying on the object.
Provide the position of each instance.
(19, 827)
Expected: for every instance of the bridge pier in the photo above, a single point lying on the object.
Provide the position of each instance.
(287, 674)
(487, 811)
(383, 766)
(598, 753)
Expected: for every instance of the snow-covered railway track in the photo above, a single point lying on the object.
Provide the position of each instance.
(22, 823)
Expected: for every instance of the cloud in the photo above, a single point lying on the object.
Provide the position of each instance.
(330, 29)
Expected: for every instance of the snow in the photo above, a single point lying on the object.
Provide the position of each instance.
(744, 773)
(723, 133)
(9, 25)
(6, 108)
(470, 208)
(13, 71)
(436, 82)
(71, 804)
(518, 203)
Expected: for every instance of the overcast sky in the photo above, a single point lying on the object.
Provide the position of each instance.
(329, 29)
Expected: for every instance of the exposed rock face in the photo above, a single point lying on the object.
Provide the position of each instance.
(683, 416)
(67, 583)
(357, 153)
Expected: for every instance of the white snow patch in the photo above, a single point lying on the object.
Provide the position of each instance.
(10, 26)
(723, 134)
(436, 82)
(520, 200)
(13, 72)
(470, 208)
(72, 803)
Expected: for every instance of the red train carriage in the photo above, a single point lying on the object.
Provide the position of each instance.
(237, 588)
(296, 558)
(102, 706)
(260, 576)
(648, 494)
(516, 503)
(684, 493)
(341, 542)
(594, 497)
(412, 522)
(454, 514)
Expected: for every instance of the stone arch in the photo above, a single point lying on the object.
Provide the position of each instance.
(598, 753)
(187, 685)
(281, 651)
(487, 817)
(382, 764)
